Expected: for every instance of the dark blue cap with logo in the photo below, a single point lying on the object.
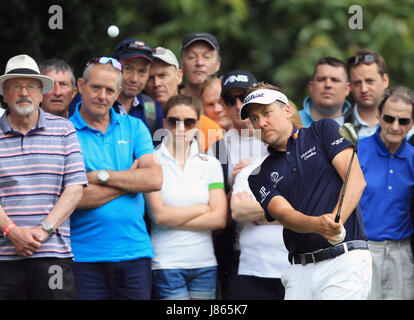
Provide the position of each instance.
(237, 79)
(133, 48)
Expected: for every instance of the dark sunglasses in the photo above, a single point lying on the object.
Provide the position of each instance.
(401, 121)
(362, 58)
(189, 123)
(231, 100)
(105, 60)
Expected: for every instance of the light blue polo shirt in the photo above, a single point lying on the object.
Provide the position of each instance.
(115, 231)
(386, 201)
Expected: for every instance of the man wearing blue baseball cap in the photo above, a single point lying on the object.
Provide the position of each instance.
(136, 58)
(299, 185)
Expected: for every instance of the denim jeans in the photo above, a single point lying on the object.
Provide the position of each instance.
(185, 284)
(125, 280)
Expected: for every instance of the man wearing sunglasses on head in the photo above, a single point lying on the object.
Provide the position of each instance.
(368, 79)
(110, 241)
(136, 58)
(387, 164)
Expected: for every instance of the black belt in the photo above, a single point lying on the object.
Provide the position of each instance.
(329, 253)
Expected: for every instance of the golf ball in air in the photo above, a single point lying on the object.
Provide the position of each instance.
(113, 31)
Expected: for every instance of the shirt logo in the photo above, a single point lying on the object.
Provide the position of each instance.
(274, 177)
(123, 141)
(310, 153)
(263, 193)
(338, 141)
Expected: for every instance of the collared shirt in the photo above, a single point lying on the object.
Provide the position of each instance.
(141, 109)
(306, 116)
(185, 249)
(305, 177)
(362, 127)
(386, 201)
(115, 231)
(34, 170)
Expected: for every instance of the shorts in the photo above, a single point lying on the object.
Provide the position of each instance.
(184, 284)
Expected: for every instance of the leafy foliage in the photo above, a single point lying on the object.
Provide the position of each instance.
(278, 41)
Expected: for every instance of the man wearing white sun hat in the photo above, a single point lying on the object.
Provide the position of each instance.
(299, 184)
(41, 181)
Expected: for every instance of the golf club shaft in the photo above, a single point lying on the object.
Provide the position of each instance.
(341, 200)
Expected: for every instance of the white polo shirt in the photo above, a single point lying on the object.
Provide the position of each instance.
(262, 250)
(183, 249)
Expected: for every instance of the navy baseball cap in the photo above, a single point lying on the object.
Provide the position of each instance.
(237, 79)
(133, 48)
(200, 36)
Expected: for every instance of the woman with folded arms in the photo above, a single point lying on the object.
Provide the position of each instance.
(190, 204)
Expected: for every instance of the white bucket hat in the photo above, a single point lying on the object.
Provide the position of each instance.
(23, 66)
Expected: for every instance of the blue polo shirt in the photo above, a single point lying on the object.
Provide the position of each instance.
(386, 201)
(115, 231)
(305, 177)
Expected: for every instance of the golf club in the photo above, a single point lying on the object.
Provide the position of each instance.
(347, 131)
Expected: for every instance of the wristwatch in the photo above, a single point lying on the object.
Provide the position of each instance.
(103, 176)
(47, 226)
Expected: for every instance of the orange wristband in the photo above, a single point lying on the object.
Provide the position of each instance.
(9, 228)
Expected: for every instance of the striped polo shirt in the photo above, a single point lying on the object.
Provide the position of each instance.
(34, 170)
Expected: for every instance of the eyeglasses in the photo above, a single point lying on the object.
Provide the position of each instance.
(18, 88)
(105, 60)
(231, 100)
(362, 58)
(189, 123)
(401, 121)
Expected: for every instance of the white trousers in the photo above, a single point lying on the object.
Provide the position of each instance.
(346, 277)
(392, 270)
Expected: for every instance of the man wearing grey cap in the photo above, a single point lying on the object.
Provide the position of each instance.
(200, 58)
(165, 76)
(299, 185)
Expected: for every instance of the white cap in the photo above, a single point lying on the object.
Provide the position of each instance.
(262, 96)
(166, 55)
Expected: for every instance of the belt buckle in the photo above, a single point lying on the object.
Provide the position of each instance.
(302, 259)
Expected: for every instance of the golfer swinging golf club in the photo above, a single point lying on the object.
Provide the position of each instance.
(299, 184)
